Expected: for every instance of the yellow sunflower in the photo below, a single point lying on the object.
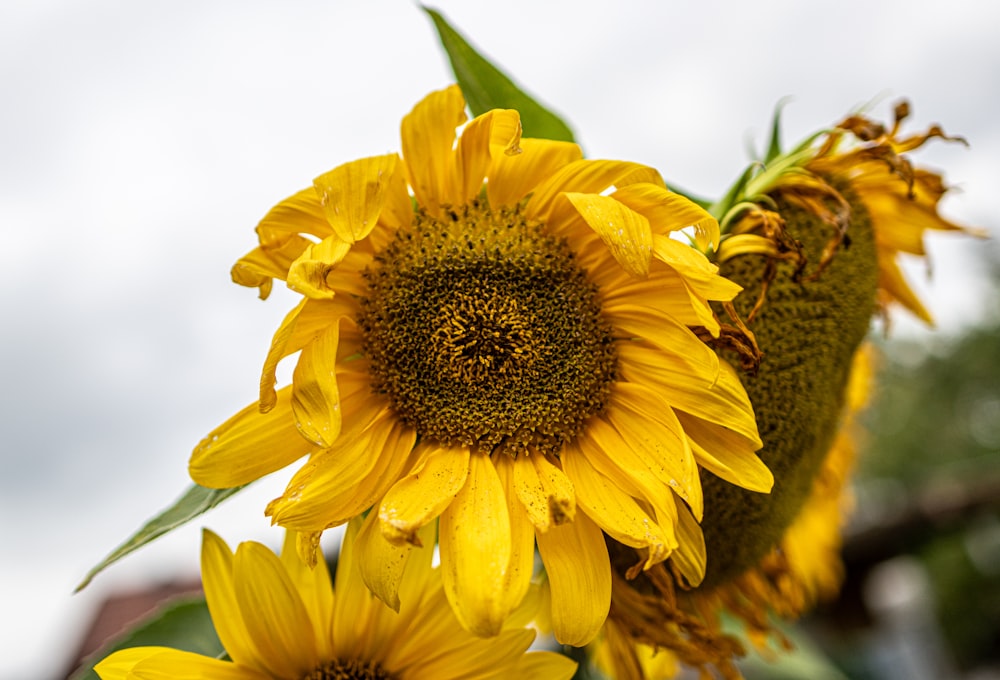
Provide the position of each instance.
(279, 619)
(498, 333)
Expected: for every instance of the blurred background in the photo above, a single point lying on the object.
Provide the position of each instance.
(141, 142)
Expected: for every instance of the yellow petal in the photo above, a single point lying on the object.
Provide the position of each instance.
(395, 441)
(163, 663)
(718, 398)
(682, 351)
(309, 273)
(398, 209)
(667, 211)
(615, 511)
(354, 606)
(476, 548)
(614, 458)
(698, 273)
(495, 133)
(382, 563)
(665, 290)
(892, 281)
(300, 213)
(480, 659)
(280, 241)
(428, 137)
(276, 619)
(651, 429)
(344, 480)
(579, 573)
(543, 489)
(257, 268)
(626, 233)
(548, 665)
(512, 177)
(726, 454)
(314, 587)
(522, 538)
(248, 446)
(220, 595)
(747, 244)
(690, 556)
(308, 319)
(588, 177)
(419, 497)
(353, 194)
(315, 397)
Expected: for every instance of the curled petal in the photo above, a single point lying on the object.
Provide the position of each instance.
(492, 134)
(315, 397)
(309, 273)
(382, 563)
(543, 489)
(306, 321)
(353, 194)
(419, 497)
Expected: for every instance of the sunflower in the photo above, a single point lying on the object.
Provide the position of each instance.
(498, 333)
(277, 618)
(861, 161)
(814, 235)
(655, 627)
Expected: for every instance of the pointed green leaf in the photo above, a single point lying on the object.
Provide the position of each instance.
(486, 87)
(774, 143)
(196, 501)
(721, 208)
(183, 624)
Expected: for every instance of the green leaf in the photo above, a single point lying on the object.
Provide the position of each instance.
(774, 143)
(486, 87)
(183, 624)
(196, 501)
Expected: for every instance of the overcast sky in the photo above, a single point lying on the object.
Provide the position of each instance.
(141, 142)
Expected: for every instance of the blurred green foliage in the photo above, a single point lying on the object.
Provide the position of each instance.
(931, 468)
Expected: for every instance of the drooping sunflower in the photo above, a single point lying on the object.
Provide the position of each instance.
(279, 619)
(860, 164)
(814, 238)
(501, 334)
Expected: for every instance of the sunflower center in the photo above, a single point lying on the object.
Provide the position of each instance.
(349, 670)
(483, 331)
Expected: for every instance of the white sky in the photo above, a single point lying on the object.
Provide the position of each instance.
(141, 142)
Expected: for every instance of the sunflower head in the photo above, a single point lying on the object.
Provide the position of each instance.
(858, 166)
(500, 335)
(482, 330)
(812, 235)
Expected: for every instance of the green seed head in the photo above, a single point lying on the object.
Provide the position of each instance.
(808, 332)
